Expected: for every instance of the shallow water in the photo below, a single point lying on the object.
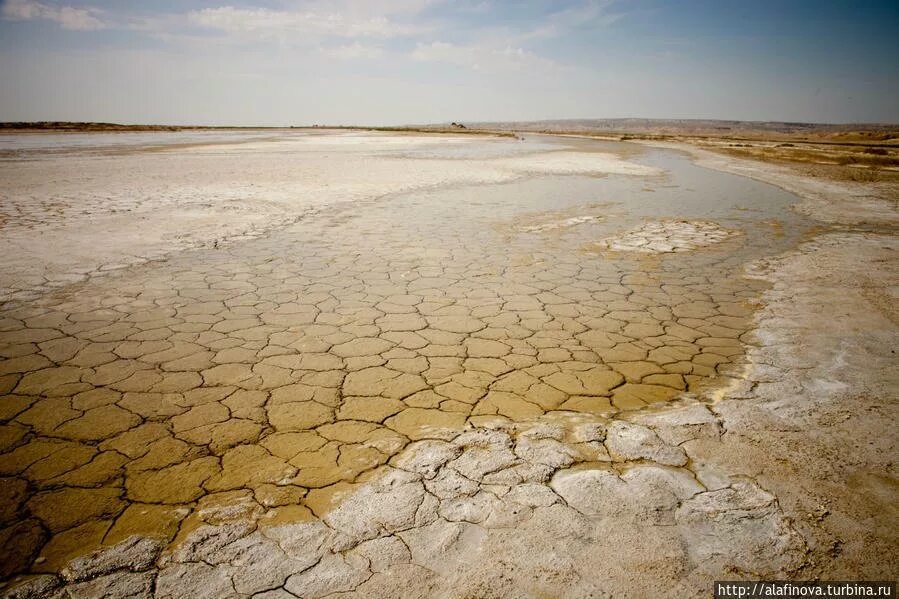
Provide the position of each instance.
(37, 145)
(685, 192)
(49, 145)
(306, 358)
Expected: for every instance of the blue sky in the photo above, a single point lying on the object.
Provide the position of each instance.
(280, 62)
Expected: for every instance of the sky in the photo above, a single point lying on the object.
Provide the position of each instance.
(385, 62)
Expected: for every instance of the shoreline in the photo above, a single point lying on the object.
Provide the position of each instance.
(827, 200)
(111, 128)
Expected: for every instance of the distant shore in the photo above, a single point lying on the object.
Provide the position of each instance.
(90, 127)
(886, 134)
(864, 132)
(855, 152)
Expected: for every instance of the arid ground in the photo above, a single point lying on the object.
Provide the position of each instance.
(316, 363)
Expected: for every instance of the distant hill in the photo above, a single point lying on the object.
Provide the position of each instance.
(79, 126)
(862, 132)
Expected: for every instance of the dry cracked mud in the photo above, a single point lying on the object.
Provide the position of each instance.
(459, 389)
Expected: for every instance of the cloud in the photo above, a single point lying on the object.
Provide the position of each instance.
(76, 19)
(481, 57)
(354, 51)
(371, 7)
(266, 22)
(593, 13)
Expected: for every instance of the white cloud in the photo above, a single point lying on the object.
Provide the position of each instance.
(354, 51)
(481, 57)
(78, 19)
(589, 14)
(267, 22)
(371, 7)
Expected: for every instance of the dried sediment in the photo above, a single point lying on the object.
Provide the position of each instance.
(463, 516)
(652, 503)
(668, 236)
(416, 430)
(147, 206)
(288, 372)
(119, 417)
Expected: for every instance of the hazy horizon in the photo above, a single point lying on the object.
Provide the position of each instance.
(362, 125)
(392, 62)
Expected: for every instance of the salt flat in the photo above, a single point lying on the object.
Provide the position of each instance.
(306, 364)
(145, 203)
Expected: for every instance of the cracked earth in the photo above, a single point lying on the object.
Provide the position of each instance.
(476, 368)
